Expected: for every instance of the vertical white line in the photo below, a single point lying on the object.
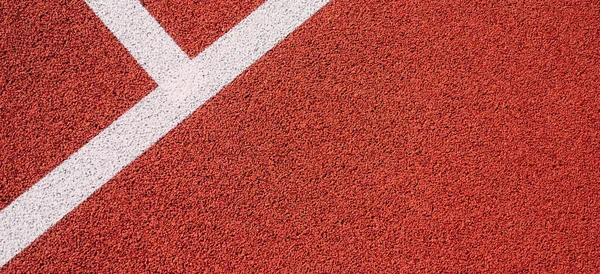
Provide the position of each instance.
(177, 96)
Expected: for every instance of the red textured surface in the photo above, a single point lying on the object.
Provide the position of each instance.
(411, 137)
(64, 78)
(194, 25)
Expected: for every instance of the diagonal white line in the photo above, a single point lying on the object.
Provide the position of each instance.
(78, 177)
(142, 36)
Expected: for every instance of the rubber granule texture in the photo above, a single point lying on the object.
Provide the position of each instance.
(381, 136)
(64, 78)
(194, 25)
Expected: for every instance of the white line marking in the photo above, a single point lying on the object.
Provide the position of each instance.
(142, 36)
(84, 172)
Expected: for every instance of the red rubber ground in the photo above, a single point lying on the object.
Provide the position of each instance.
(379, 137)
(194, 25)
(64, 78)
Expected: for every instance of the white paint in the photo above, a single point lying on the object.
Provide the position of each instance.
(142, 36)
(177, 96)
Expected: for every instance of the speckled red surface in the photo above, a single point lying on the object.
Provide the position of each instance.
(379, 137)
(63, 79)
(194, 25)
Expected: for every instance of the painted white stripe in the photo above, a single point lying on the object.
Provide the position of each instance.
(78, 177)
(142, 36)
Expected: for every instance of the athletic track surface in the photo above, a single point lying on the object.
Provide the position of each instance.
(308, 136)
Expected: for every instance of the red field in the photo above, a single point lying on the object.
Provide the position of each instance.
(379, 136)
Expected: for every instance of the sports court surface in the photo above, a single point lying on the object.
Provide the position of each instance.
(310, 136)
